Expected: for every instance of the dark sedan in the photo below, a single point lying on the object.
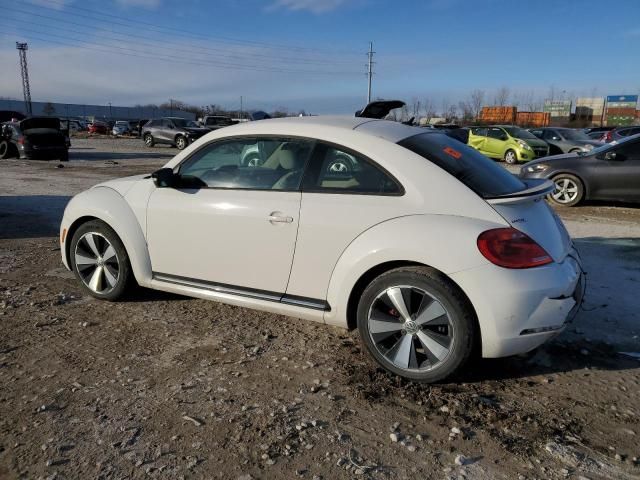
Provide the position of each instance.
(34, 138)
(609, 172)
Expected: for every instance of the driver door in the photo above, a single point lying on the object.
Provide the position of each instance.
(495, 144)
(227, 225)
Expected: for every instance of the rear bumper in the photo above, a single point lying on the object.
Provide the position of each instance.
(518, 310)
(43, 153)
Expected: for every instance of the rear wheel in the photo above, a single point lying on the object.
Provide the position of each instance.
(569, 190)
(148, 140)
(417, 324)
(100, 261)
(6, 150)
(510, 157)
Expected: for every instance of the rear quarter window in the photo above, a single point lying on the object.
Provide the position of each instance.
(476, 171)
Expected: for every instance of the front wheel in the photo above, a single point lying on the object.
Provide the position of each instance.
(148, 140)
(510, 157)
(181, 143)
(417, 324)
(100, 261)
(569, 190)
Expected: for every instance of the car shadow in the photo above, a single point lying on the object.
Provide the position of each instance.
(31, 216)
(103, 156)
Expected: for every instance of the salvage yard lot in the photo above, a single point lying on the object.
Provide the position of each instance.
(164, 386)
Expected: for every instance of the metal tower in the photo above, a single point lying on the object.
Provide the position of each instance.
(22, 49)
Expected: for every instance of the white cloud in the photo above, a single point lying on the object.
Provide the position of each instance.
(148, 4)
(313, 6)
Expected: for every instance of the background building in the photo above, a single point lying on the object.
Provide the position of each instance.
(94, 112)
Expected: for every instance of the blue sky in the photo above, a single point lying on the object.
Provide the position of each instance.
(310, 54)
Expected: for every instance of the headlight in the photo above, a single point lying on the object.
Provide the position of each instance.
(538, 167)
(587, 148)
(524, 145)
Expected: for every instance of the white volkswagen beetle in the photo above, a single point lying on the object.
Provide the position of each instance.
(420, 242)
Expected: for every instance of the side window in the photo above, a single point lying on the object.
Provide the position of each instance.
(337, 170)
(248, 163)
(550, 135)
(166, 123)
(480, 132)
(497, 133)
(537, 133)
(629, 151)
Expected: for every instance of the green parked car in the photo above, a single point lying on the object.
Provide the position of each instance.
(511, 144)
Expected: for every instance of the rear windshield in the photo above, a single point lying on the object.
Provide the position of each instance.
(476, 171)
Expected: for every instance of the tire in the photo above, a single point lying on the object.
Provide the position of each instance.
(340, 165)
(65, 157)
(6, 150)
(510, 157)
(148, 140)
(428, 349)
(569, 190)
(253, 161)
(95, 246)
(575, 150)
(181, 142)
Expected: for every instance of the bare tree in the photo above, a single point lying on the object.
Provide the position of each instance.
(429, 108)
(415, 107)
(476, 102)
(445, 107)
(466, 111)
(502, 96)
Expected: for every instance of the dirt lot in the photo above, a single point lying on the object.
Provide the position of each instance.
(163, 386)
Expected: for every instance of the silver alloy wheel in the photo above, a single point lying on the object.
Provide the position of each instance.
(410, 328)
(253, 161)
(510, 157)
(566, 190)
(148, 139)
(338, 167)
(181, 143)
(97, 263)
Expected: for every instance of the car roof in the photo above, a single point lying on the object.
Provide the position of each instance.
(386, 129)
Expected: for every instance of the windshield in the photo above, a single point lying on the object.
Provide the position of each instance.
(520, 133)
(575, 135)
(476, 171)
(193, 124)
(608, 146)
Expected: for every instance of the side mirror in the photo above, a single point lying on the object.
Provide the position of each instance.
(610, 156)
(165, 178)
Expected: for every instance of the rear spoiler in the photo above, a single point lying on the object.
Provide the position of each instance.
(535, 189)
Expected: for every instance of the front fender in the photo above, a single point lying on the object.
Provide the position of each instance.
(444, 242)
(107, 205)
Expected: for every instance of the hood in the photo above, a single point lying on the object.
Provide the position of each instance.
(552, 158)
(379, 109)
(40, 122)
(594, 143)
(122, 185)
(201, 130)
(534, 142)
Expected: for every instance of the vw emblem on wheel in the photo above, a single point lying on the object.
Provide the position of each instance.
(411, 327)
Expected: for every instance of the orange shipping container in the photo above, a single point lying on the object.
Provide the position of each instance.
(621, 112)
(533, 119)
(498, 114)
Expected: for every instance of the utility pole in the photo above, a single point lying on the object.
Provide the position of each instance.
(24, 71)
(241, 113)
(370, 70)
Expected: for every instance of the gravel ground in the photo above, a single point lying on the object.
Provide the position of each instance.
(162, 386)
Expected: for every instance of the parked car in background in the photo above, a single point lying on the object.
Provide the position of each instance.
(172, 131)
(597, 135)
(511, 144)
(214, 122)
(121, 127)
(565, 140)
(98, 127)
(608, 172)
(34, 138)
(431, 250)
(620, 133)
(589, 130)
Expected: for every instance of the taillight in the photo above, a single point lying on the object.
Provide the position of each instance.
(21, 140)
(510, 248)
(608, 136)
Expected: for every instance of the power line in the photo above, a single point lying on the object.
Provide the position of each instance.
(173, 59)
(259, 56)
(176, 30)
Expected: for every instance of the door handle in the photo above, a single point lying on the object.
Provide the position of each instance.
(277, 217)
